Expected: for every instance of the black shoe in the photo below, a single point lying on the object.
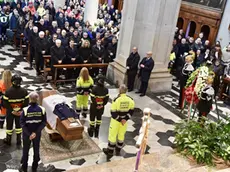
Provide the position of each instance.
(7, 140)
(91, 131)
(34, 167)
(84, 115)
(142, 95)
(118, 151)
(22, 169)
(137, 92)
(106, 151)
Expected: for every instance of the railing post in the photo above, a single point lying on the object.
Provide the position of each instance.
(143, 138)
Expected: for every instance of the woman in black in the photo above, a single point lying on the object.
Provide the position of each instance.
(85, 51)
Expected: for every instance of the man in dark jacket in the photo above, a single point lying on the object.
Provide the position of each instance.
(57, 55)
(41, 49)
(34, 36)
(146, 67)
(72, 57)
(33, 120)
(98, 53)
(14, 100)
(132, 68)
(99, 98)
(111, 51)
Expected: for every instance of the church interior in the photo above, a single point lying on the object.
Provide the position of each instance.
(147, 80)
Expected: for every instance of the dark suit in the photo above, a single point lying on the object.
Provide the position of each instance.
(145, 73)
(57, 53)
(132, 62)
(41, 45)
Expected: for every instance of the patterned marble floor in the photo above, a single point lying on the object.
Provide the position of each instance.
(162, 119)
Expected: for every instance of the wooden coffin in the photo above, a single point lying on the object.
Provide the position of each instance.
(63, 127)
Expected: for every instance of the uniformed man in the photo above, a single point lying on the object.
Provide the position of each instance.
(204, 105)
(4, 24)
(121, 110)
(33, 120)
(99, 98)
(185, 73)
(14, 100)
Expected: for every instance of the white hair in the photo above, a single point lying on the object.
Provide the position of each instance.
(41, 33)
(58, 41)
(34, 97)
(35, 27)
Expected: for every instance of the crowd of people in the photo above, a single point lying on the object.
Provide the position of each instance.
(189, 54)
(62, 33)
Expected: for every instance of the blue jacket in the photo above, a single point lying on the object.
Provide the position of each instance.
(63, 111)
(13, 22)
(33, 119)
(146, 71)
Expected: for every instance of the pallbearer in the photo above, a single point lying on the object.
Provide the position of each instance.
(84, 88)
(121, 110)
(99, 98)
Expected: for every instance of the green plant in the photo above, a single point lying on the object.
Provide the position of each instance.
(205, 143)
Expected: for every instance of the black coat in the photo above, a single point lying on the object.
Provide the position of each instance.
(205, 103)
(97, 53)
(41, 45)
(57, 54)
(72, 53)
(33, 38)
(146, 71)
(132, 62)
(85, 53)
(110, 53)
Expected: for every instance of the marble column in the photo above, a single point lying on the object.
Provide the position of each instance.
(91, 11)
(149, 25)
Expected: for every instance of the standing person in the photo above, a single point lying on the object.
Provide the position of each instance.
(57, 55)
(84, 87)
(14, 100)
(121, 110)
(185, 73)
(98, 53)
(5, 84)
(72, 57)
(33, 120)
(85, 52)
(132, 67)
(204, 105)
(111, 51)
(41, 49)
(146, 67)
(99, 98)
(33, 38)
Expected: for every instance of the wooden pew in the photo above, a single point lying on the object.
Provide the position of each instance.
(223, 87)
(22, 47)
(71, 66)
(47, 68)
(15, 38)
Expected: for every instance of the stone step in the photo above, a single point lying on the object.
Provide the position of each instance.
(162, 161)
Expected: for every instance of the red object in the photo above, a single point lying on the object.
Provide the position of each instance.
(190, 94)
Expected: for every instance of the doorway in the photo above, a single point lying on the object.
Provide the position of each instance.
(206, 31)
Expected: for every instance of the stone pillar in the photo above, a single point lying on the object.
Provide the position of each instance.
(91, 11)
(59, 3)
(149, 25)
